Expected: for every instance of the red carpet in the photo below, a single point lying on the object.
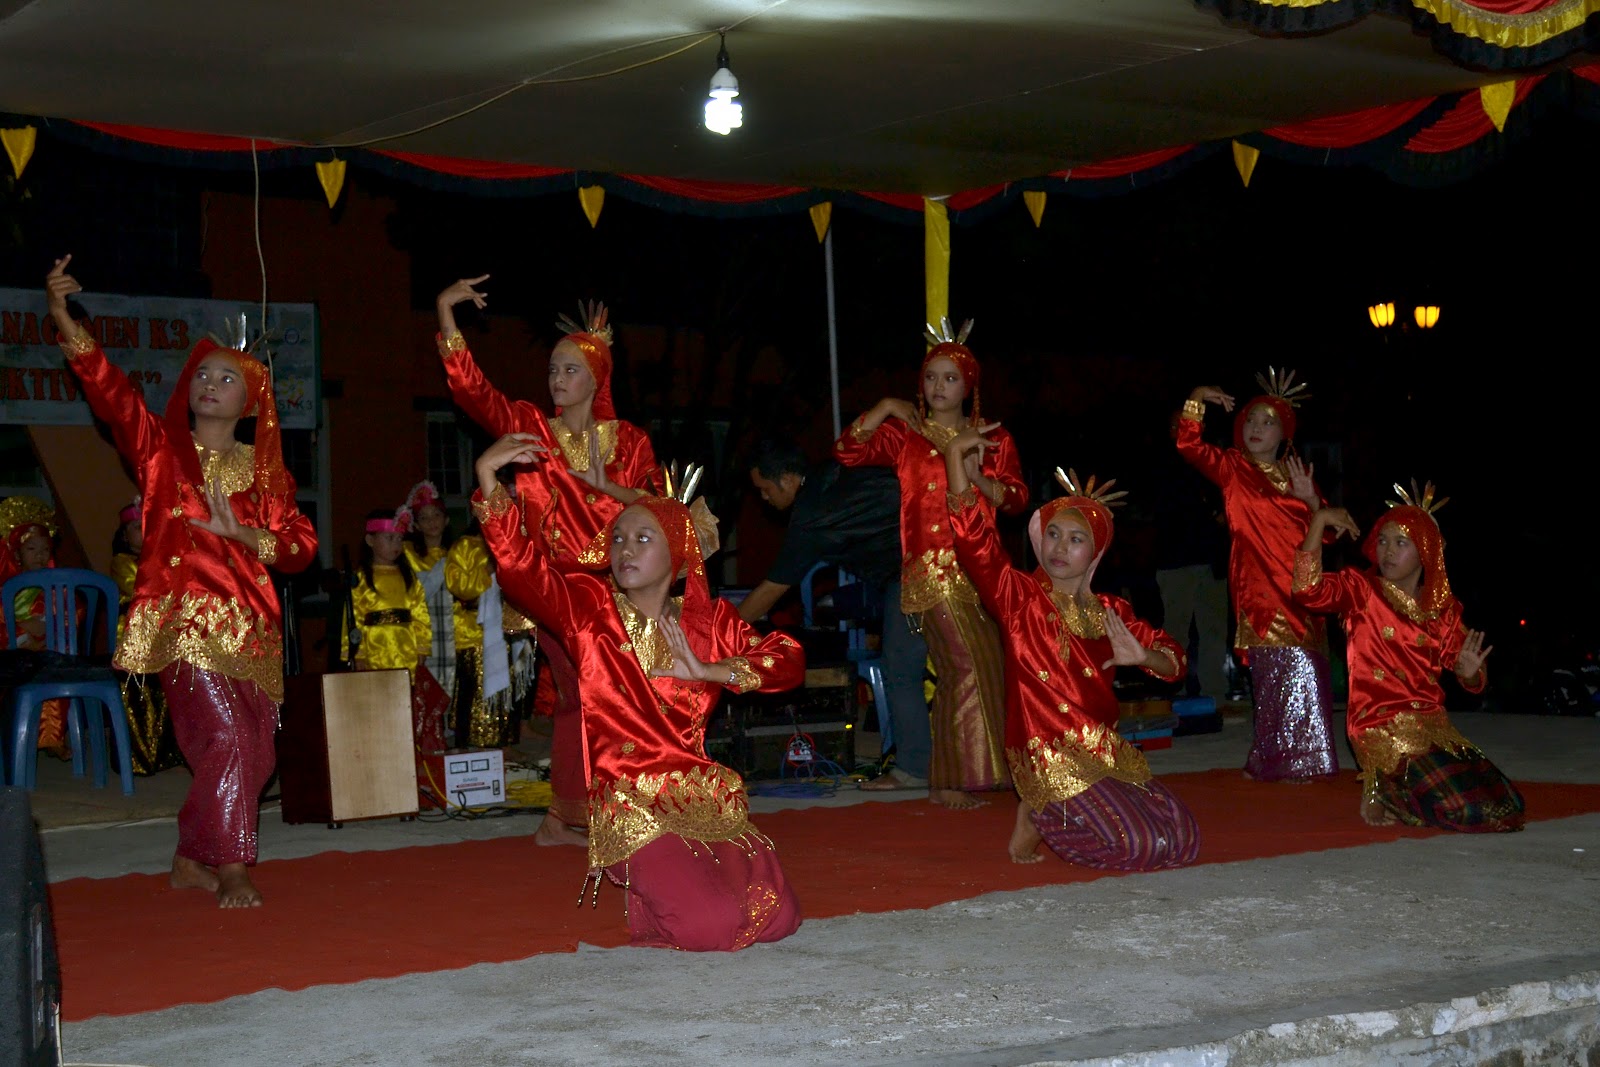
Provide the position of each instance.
(131, 944)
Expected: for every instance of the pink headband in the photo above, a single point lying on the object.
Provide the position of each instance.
(130, 513)
(387, 526)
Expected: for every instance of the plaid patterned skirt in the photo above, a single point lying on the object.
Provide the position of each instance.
(1453, 792)
(1114, 826)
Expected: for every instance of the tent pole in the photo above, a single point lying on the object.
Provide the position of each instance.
(833, 331)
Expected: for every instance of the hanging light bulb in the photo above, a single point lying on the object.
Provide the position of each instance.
(1382, 315)
(723, 111)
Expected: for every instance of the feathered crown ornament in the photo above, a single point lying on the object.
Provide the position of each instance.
(1099, 493)
(26, 510)
(422, 495)
(1421, 499)
(682, 480)
(593, 318)
(1281, 384)
(940, 334)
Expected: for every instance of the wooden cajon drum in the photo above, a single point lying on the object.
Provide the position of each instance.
(345, 749)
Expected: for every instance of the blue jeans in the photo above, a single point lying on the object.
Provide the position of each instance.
(904, 655)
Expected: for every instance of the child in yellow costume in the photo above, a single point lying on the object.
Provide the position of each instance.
(485, 712)
(390, 606)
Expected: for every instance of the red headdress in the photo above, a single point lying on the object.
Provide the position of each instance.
(593, 337)
(423, 495)
(271, 475)
(1414, 513)
(1279, 393)
(691, 533)
(1093, 504)
(22, 517)
(952, 346)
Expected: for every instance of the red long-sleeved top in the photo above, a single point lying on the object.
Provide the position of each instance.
(198, 597)
(1396, 653)
(566, 513)
(644, 737)
(929, 571)
(1061, 712)
(1267, 525)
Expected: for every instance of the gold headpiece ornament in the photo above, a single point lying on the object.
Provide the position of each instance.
(1100, 494)
(682, 480)
(1280, 384)
(1422, 499)
(939, 334)
(25, 510)
(592, 318)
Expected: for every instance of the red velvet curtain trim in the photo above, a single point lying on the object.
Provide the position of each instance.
(1464, 123)
(1118, 168)
(475, 168)
(189, 142)
(1347, 131)
(720, 192)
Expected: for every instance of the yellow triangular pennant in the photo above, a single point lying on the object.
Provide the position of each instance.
(822, 218)
(936, 258)
(1497, 100)
(592, 198)
(19, 146)
(1244, 160)
(331, 175)
(1033, 199)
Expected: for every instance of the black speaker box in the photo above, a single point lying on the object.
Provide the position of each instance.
(30, 976)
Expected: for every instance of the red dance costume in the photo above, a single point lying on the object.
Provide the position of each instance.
(1284, 645)
(1093, 798)
(968, 711)
(27, 518)
(665, 822)
(204, 613)
(563, 512)
(1413, 760)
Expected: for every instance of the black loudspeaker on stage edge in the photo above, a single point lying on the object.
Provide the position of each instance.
(30, 976)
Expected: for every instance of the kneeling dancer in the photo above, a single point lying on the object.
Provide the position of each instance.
(1086, 792)
(666, 823)
(1404, 629)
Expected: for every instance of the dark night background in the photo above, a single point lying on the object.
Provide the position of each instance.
(1091, 328)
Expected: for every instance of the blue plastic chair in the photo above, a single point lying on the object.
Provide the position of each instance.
(72, 674)
(868, 662)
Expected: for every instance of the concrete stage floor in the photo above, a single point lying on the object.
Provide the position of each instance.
(1448, 950)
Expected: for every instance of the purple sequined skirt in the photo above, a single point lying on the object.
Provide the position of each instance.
(1293, 715)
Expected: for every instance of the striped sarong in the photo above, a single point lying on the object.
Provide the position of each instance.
(1115, 826)
(1462, 792)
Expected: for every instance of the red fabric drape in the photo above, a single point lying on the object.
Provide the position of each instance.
(189, 142)
(1119, 168)
(474, 168)
(1347, 131)
(1464, 123)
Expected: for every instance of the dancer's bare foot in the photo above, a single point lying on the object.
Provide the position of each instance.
(552, 831)
(1025, 838)
(1373, 813)
(234, 887)
(192, 874)
(955, 799)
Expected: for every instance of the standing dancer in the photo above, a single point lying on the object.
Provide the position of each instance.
(426, 545)
(604, 465)
(204, 614)
(1085, 791)
(666, 823)
(1268, 503)
(969, 713)
(1404, 628)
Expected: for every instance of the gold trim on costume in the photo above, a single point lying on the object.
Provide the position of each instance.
(859, 433)
(1279, 635)
(967, 498)
(1085, 617)
(1381, 749)
(234, 467)
(933, 577)
(497, 504)
(1051, 771)
(1195, 410)
(1274, 472)
(575, 443)
(1404, 604)
(208, 632)
(266, 547)
(1307, 570)
(939, 433)
(452, 345)
(648, 643)
(701, 804)
(745, 679)
(79, 344)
